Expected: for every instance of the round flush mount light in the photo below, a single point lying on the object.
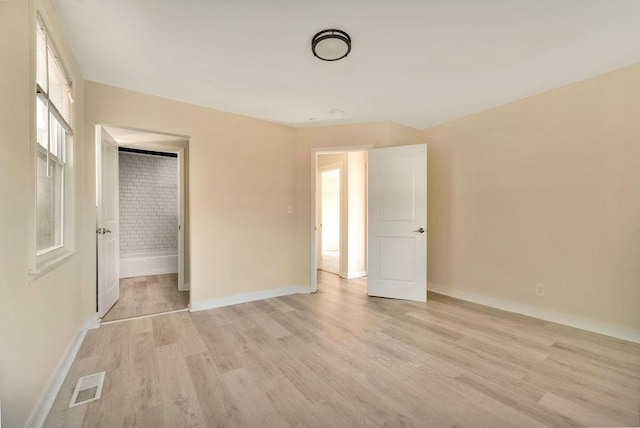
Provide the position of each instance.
(331, 45)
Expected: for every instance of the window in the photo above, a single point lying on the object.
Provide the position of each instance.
(53, 131)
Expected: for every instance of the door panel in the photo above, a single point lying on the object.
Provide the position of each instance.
(395, 195)
(397, 258)
(397, 211)
(108, 227)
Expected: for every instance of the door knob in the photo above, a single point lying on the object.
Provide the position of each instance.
(102, 231)
(421, 230)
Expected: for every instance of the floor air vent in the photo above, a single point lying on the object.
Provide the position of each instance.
(87, 389)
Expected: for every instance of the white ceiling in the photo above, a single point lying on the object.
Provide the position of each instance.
(417, 62)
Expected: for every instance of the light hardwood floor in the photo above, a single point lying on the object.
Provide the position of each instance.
(146, 295)
(339, 358)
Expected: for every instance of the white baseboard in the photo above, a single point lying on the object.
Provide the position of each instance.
(147, 272)
(44, 404)
(249, 297)
(91, 323)
(148, 264)
(617, 331)
(352, 275)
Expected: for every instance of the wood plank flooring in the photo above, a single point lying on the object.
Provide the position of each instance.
(341, 359)
(146, 295)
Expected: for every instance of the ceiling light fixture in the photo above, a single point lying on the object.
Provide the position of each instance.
(331, 45)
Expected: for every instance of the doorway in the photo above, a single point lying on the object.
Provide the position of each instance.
(341, 214)
(141, 194)
(394, 229)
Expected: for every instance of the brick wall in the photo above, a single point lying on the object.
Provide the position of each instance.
(148, 203)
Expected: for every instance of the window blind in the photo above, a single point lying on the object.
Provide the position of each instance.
(51, 78)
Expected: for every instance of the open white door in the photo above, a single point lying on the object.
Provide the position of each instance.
(397, 239)
(107, 228)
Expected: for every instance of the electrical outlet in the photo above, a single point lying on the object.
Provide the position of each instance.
(290, 209)
(540, 289)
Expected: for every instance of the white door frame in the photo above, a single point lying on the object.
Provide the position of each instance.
(167, 147)
(314, 190)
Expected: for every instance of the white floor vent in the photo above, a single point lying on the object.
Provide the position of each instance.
(87, 389)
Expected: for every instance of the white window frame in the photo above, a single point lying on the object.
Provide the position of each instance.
(45, 260)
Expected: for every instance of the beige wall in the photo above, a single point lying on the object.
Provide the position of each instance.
(38, 318)
(241, 179)
(543, 191)
(329, 158)
(357, 214)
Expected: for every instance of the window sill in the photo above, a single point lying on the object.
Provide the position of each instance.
(50, 264)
